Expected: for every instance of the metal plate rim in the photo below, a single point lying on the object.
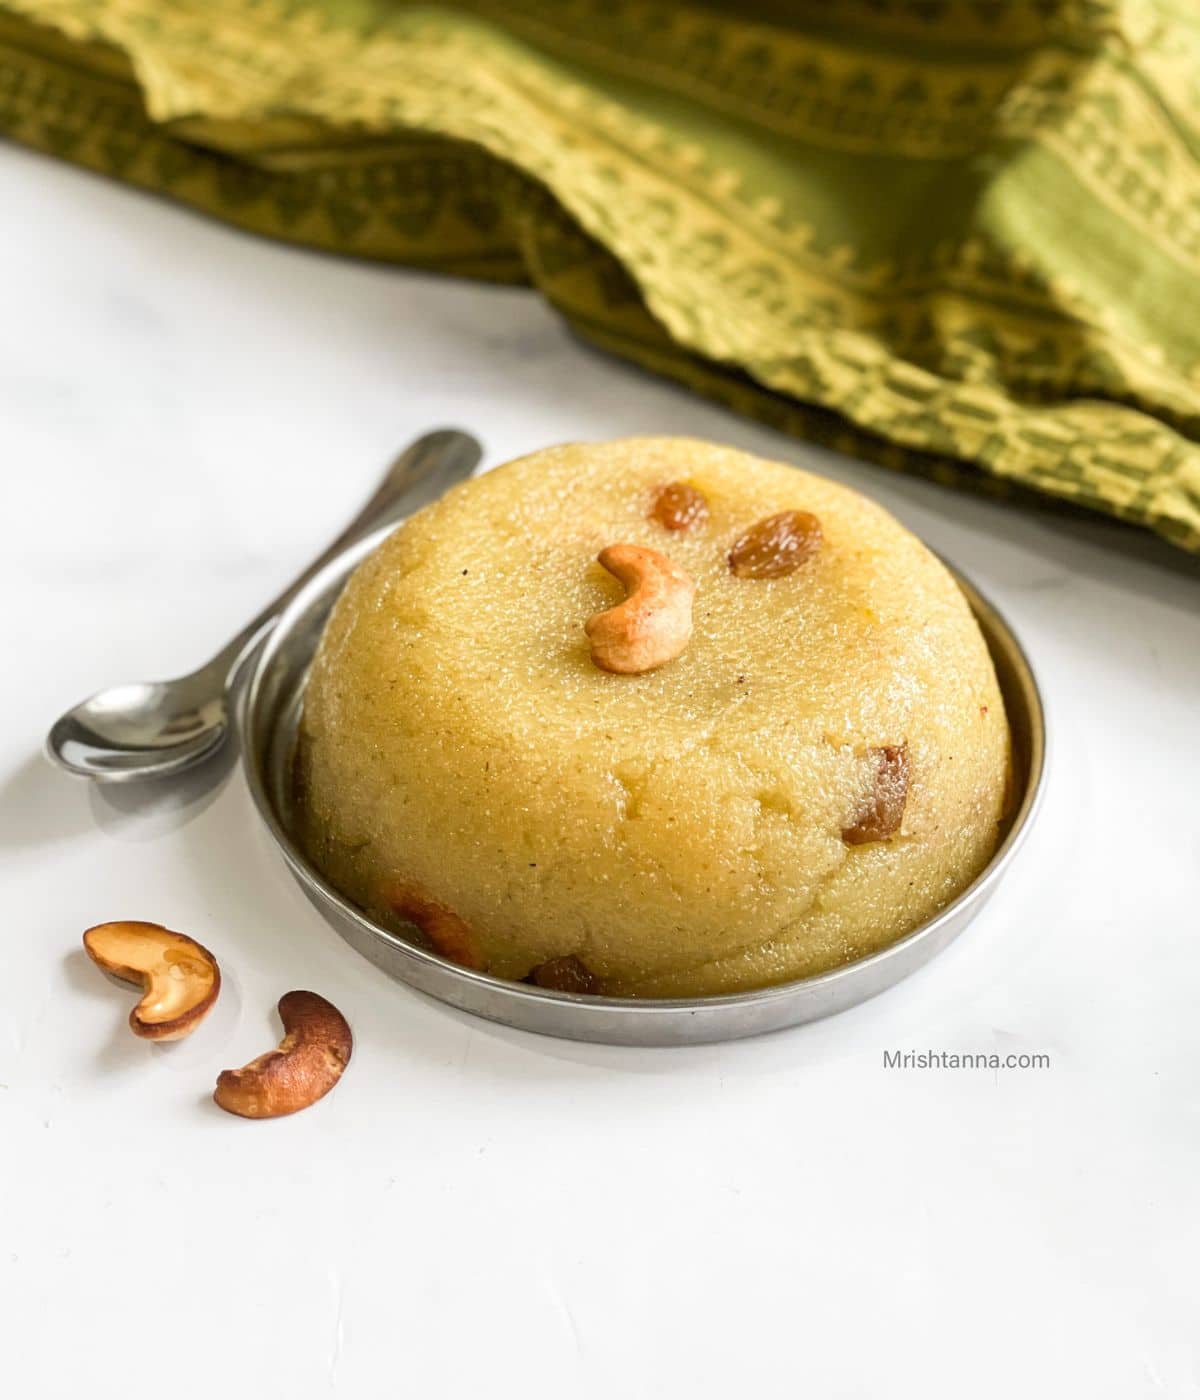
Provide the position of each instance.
(637, 1021)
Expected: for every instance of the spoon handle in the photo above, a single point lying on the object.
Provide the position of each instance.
(419, 475)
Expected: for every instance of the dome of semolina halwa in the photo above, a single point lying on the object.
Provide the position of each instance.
(818, 769)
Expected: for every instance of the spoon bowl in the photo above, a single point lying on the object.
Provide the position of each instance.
(130, 732)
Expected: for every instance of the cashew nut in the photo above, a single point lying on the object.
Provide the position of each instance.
(180, 978)
(654, 623)
(308, 1062)
(449, 934)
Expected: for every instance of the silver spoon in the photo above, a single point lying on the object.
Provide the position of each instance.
(156, 728)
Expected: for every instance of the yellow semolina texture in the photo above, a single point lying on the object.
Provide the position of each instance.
(821, 769)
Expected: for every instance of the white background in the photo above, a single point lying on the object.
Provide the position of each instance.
(186, 415)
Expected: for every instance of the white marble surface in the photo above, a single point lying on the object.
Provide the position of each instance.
(185, 416)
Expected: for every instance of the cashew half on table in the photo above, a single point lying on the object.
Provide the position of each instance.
(180, 981)
(179, 978)
(654, 623)
(307, 1063)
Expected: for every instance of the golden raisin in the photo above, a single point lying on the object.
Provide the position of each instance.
(678, 506)
(776, 546)
(565, 975)
(885, 810)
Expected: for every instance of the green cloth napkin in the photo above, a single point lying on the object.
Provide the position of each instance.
(958, 236)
